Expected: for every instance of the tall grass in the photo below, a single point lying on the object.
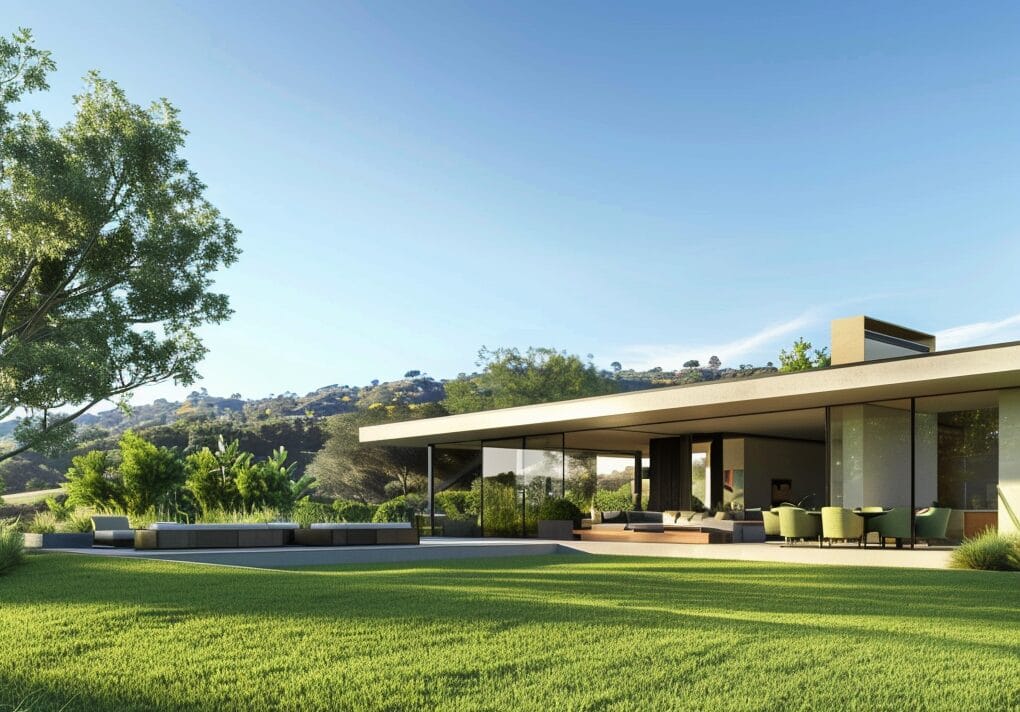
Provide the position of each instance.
(988, 551)
(231, 516)
(12, 546)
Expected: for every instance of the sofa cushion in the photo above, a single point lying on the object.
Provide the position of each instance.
(108, 522)
(176, 526)
(361, 525)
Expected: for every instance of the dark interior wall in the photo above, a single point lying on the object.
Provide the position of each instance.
(801, 462)
(669, 477)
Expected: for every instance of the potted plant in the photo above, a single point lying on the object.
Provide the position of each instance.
(558, 518)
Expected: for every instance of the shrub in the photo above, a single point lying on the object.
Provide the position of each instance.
(458, 505)
(399, 509)
(559, 508)
(350, 511)
(306, 512)
(12, 547)
(988, 551)
(613, 500)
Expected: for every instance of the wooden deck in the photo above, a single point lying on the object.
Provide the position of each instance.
(675, 536)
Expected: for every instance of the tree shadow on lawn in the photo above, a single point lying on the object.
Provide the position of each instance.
(455, 589)
(641, 600)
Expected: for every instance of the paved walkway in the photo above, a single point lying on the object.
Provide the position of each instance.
(432, 549)
(921, 557)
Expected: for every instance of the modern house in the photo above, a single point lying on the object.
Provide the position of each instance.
(892, 422)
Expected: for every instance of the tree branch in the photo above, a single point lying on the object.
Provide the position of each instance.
(13, 292)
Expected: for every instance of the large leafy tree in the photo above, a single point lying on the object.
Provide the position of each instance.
(538, 375)
(346, 468)
(107, 250)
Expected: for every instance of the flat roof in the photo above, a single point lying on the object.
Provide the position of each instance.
(957, 371)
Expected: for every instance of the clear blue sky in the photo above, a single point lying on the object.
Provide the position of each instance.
(644, 182)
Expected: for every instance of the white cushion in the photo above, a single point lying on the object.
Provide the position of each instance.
(362, 525)
(175, 526)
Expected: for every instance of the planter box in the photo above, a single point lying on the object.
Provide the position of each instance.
(562, 529)
(64, 540)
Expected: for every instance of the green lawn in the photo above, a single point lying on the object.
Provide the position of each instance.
(543, 633)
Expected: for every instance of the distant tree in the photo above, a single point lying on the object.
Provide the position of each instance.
(693, 363)
(511, 378)
(801, 357)
(412, 374)
(346, 468)
(109, 247)
(616, 366)
(714, 363)
(375, 382)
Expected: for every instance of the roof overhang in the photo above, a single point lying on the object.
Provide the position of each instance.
(962, 370)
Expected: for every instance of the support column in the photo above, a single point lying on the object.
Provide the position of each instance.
(715, 473)
(638, 483)
(669, 478)
(430, 452)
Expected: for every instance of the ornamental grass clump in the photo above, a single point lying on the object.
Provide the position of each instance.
(988, 551)
(12, 546)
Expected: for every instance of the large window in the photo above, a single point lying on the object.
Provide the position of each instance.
(457, 489)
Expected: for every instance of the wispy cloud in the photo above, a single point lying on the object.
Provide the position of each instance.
(980, 332)
(643, 356)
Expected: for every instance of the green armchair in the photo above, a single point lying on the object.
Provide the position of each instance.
(842, 524)
(795, 523)
(771, 521)
(895, 524)
(931, 523)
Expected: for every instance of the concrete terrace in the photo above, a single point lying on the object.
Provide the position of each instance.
(433, 549)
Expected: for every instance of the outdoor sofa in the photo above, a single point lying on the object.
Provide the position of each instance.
(111, 530)
(357, 534)
(171, 535)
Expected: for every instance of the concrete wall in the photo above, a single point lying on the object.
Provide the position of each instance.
(871, 457)
(926, 459)
(1009, 458)
(765, 459)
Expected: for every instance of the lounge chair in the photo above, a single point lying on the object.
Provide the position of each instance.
(112, 531)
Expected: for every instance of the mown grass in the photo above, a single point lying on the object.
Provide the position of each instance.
(539, 633)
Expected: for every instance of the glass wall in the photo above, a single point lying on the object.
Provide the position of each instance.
(957, 459)
(966, 457)
(502, 462)
(457, 489)
(602, 481)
